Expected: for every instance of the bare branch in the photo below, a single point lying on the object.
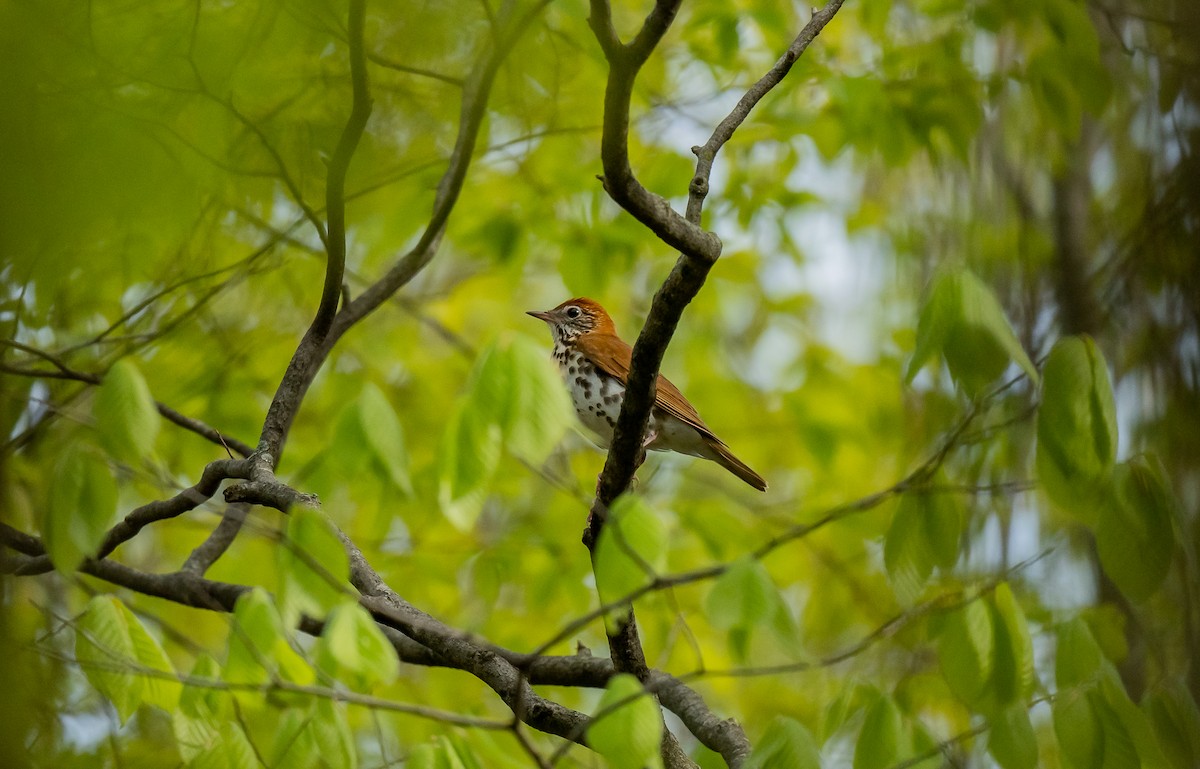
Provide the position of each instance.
(218, 541)
(625, 61)
(312, 350)
(160, 510)
(476, 91)
(339, 164)
(724, 130)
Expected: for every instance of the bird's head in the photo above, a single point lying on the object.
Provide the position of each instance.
(576, 317)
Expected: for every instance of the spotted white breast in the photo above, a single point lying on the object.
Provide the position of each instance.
(597, 399)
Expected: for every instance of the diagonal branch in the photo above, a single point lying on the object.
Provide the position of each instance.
(683, 283)
(152, 512)
(476, 92)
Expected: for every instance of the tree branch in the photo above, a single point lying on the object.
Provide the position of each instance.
(476, 92)
(699, 251)
(625, 61)
(159, 510)
(312, 350)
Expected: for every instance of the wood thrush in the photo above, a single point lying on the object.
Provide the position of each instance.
(595, 366)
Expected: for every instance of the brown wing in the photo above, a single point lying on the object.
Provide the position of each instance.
(612, 356)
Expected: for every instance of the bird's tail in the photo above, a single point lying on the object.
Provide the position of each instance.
(725, 458)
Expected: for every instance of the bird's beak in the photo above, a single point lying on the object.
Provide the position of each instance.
(540, 314)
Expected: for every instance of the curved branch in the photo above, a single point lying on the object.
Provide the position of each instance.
(159, 510)
(705, 154)
(699, 250)
(625, 61)
(311, 352)
(339, 165)
(476, 92)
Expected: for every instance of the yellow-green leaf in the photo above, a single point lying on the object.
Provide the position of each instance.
(314, 568)
(743, 596)
(81, 509)
(1078, 659)
(1135, 535)
(786, 744)
(1076, 427)
(632, 548)
(883, 740)
(259, 650)
(125, 413)
(353, 649)
(967, 648)
(1011, 740)
(1176, 722)
(163, 690)
(384, 435)
(626, 728)
(467, 461)
(106, 652)
(1012, 674)
(962, 319)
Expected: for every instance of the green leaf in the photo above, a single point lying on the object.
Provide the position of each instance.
(259, 651)
(940, 311)
(632, 548)
(1135, 535)
(962, 319)
(627, 726)
(786, 744)
(1011, 740)
(1077, 659)
(742, 597)
(1012, 674)
(204, 702)
(232, 750)
(1175, 720)
(542, 410)
(110, 637)
(467, 461)
(925, 532)
(354, 650)
(516, 386)
(967, 648)
(1078, 729)
(906, 551)
(1076, 427)
(162, 692)
(82, 508)
(201, 712)
(332, 736)
(1119, 749)
(313, 566)
(293, 747)
(1134, 723)
(384, 435)
(883, 740)
(125, 413)
(106, 653)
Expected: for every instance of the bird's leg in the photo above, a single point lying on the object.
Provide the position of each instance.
(651, 437)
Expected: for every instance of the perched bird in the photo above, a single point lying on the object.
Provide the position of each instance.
(595, 366)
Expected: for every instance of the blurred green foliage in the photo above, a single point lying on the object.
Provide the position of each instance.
(156, 160)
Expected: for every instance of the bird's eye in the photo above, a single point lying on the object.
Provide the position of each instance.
(572, 312)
